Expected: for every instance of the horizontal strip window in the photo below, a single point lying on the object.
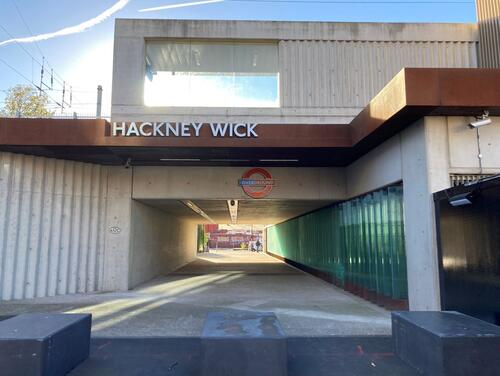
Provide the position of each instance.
(211, 74)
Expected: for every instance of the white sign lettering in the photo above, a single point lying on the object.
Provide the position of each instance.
(180, 129)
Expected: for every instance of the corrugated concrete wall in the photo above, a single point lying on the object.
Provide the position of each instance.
(350, 73)
(488, 14)
(52, 215)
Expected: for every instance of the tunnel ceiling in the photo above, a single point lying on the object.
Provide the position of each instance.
(249, 211)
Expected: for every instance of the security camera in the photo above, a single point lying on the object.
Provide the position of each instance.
(128, 163)
(462, 199)
(481, 121)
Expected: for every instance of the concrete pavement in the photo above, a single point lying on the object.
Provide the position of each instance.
(176, 304)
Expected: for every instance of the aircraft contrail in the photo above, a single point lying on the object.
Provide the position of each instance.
(72, 29)
(180, 5)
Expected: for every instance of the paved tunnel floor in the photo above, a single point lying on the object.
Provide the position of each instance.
(176, 304)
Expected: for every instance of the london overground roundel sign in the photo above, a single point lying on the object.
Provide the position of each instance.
(257, 182)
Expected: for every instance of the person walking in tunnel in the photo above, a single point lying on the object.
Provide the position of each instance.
(258, 245)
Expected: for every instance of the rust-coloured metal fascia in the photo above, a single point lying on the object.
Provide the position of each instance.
(418, 92)
(270, 135)
(412, 94)
(450, 88)
(96, 133)
(52, 132)
(388, 102)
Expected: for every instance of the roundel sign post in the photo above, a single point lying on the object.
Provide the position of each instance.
(257, 182)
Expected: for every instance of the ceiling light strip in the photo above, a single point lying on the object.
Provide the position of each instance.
(278, 160)
(191, 205)
(180, 159)
(229, 160)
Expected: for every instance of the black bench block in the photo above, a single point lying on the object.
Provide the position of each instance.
(43, 344)
(243, 344)
(447, 343)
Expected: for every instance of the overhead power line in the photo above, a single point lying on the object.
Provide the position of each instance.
(34, 59)
(46, 68)
(26, 25)
(60, 90)
(29, 53)
(18, 72)
(31, 34)
(27, 80)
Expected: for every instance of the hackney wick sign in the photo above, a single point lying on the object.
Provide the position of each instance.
(181, 129)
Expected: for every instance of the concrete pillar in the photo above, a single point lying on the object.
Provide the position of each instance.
(118, 227)
(128, 75)
(425, 170)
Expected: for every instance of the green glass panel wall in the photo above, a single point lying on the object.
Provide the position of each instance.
(359, 242)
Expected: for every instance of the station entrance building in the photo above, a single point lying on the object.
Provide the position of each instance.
(334, 134)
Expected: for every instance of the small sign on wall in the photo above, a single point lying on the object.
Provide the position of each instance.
(257, 182)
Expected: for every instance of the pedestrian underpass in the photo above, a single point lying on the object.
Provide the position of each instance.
(174, 283)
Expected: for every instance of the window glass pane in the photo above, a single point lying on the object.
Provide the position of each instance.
(256, 58)
(212, 58)
(201, 74)
(256, 90)
(173, 57)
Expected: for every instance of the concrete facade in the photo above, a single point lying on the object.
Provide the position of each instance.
(328, 71)
(451, 146)
(75, 227)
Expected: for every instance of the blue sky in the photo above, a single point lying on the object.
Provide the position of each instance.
(84, 59)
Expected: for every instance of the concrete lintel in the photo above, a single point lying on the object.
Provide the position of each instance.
(282, 30)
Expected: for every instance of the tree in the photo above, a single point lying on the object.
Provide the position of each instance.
(26, 101)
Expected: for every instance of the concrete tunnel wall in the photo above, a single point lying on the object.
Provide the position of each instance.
(147, 243)
(160, 243)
